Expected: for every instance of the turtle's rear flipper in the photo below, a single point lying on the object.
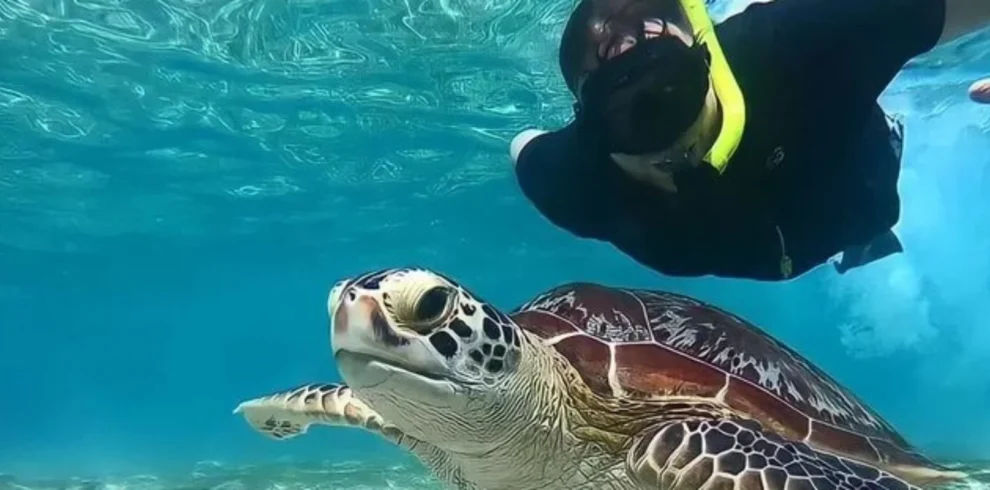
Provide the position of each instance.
(289, 413)
(692, 454)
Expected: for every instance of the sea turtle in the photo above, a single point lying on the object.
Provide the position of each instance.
(588, 387)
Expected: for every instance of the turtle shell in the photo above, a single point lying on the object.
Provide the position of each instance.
(648, 344)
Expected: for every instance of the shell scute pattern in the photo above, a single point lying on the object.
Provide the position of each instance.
(643, 344)
(592, 309)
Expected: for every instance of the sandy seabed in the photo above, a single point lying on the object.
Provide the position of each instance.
(329, 475)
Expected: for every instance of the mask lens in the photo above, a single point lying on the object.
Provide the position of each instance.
(643, 100)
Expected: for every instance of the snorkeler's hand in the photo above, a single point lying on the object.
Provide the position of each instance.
(979, 91)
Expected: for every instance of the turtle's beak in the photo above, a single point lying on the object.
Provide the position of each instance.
(371, 354)
(360, 327)
(333, 299)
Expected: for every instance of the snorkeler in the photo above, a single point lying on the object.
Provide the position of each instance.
(752, 149)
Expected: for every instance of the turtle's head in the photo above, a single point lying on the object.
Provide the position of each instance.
(425, 353)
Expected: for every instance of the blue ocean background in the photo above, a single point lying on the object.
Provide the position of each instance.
(182, 181)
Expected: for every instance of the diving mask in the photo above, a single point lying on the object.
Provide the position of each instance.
(642, 100)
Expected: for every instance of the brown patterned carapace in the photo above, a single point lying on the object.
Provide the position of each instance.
(647, 344)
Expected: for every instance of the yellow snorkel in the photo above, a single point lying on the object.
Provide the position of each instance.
(724, 83)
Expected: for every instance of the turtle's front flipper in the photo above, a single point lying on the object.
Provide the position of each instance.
(737, 455)
(289, 413)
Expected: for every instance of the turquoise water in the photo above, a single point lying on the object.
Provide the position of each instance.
(182, 181)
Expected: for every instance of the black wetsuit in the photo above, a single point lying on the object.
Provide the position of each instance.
(815, 173)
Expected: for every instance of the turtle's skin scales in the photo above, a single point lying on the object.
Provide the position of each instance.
(725, 454)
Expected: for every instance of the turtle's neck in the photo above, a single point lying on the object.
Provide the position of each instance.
(537, 449)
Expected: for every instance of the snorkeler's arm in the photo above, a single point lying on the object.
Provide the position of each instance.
(964, 17)
(562, 180)
(850, 49)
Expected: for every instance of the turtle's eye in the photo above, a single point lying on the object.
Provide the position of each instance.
(432, 304)
(421, 306)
